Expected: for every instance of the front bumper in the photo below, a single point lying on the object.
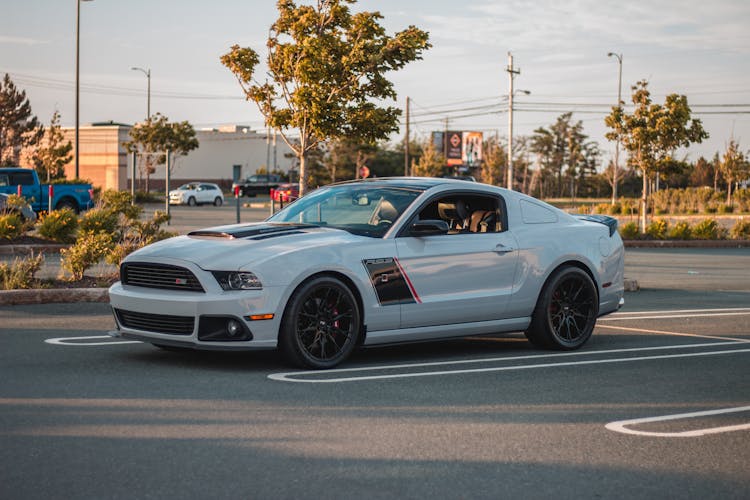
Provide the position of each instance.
(239, 305)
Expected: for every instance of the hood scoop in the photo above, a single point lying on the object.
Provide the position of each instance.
(256, 232)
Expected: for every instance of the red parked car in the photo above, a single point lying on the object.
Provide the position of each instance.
(285, 193)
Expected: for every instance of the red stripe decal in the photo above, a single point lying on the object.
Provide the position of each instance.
(408, 281)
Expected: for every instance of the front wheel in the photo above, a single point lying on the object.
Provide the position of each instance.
(321, 324)
(192, 202)
(566, 311)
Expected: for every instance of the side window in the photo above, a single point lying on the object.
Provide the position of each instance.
(23, 178)
(467, 213)
(4, 180)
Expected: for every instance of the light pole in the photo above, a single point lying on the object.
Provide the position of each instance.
(78, 56)
(148, 89)
(617, 143)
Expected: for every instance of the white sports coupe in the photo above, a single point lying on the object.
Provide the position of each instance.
(377, 261)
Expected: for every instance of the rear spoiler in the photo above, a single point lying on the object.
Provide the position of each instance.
(611, 222)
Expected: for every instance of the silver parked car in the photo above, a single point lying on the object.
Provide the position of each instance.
(24, 210)
(374, 262)
(196, 193)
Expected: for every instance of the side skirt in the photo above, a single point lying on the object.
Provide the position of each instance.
(446, 331)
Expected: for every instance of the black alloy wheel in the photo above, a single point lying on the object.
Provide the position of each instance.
(321, 324)
(566, 312)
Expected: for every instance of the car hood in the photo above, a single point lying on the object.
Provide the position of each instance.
(239, 246)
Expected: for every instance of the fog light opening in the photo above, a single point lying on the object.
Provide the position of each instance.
(233, 327)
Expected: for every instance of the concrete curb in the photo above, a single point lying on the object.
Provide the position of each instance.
(53, 295)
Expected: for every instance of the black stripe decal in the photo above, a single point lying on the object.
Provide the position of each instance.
(388, 282)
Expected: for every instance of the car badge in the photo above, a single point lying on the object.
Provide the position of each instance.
(180, 281)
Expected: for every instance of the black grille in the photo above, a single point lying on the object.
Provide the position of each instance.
(159, 323)
(161, 276)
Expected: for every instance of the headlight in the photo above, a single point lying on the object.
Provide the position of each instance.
(234, 280)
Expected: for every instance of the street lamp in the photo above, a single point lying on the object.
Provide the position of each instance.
(148, 89)
(78, 52)
(617, 143)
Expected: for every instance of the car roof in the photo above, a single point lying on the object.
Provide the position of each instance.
(403, 182)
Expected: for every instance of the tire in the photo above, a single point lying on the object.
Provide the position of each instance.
(67, 203)
(321, 324)
(218, 202)
(566, 311)
(192, 202)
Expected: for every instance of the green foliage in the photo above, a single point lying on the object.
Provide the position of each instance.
(431, 162)
(327, 68)
(629, 231)
(100, 219)
(19, 129)
(144, 197)
(734, 166)
(152, 138)
(58, 225)
(708, 229)
(20, 273)
(120, 202)
(680, 231)
(11, 226)
(51, 158)
(89, 249)
(657, 229)
(741, 230)
(139, 234)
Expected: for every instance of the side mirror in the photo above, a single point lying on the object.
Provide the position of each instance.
(428, 228)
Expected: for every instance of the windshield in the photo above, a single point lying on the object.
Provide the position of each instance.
(364, 210)
(188, 187)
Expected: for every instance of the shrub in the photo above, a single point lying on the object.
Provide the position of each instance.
(89, 249)
(708, 229)
(59, 225)
(120, 202)
(657, 229)
(680, 231)
(139, 234)
(11, 226)
(725, 209)
(614, 209)
(100, 220)
(20, 274)
(629, 231)
(741, 230)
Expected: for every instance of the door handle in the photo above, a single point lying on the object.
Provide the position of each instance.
(500, 248)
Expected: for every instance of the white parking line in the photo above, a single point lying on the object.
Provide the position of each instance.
(288, 376)
(64, 341)
(674, 311)
(680, 316)
(678, 334)
(622, 425)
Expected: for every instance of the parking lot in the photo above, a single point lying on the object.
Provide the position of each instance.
(657, 404)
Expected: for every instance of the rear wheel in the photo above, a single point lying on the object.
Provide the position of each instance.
(218, 201)
(321, 324)
(67, 203)
(566, 311)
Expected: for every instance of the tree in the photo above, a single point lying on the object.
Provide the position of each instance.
(327, 68)
(495, 162)
(652, 133)
(19, 129)
(345, 157)
(153, 137)
(431, 162)
(50, 158)
(734, 166)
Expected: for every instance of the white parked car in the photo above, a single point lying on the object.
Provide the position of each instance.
(196, 193)
(378, 261)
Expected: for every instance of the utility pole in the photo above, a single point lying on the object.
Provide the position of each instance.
(511, 74)
(617, 143)
(406, 141)
(445, 141)
(274, 150)
(268, 149)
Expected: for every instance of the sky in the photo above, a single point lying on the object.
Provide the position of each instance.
(693, 47)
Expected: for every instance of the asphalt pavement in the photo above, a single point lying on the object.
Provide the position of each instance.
(656, 405)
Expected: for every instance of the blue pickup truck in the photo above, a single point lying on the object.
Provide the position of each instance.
(77, 197)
